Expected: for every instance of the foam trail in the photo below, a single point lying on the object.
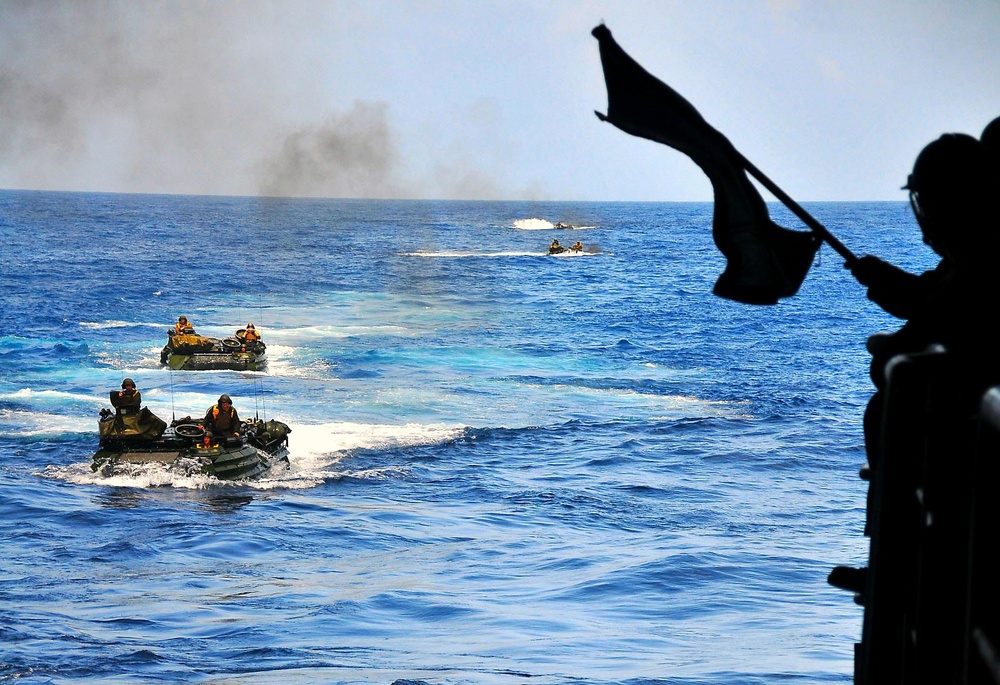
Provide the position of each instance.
(545, 225)
(116, 323)
(468, 253)
(533, 224)
(319, 441)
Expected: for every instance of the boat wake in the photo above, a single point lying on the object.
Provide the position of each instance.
(319, 450)
(590, 250)
(545, 225)
(470, 253)
(117, 323)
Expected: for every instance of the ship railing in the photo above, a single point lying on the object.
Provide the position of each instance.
(931, 592)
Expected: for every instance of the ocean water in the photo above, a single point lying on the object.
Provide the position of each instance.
(506, 467)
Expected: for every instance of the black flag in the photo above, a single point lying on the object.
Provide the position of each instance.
(765, 262)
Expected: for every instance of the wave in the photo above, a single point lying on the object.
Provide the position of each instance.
(117, 323)
(21, 423)
(29, 395)
(662, 406)
(319, 441)
(320, 332)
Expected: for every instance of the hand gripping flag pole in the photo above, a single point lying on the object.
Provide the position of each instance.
(765, 262)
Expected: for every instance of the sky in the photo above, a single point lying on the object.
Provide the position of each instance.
(475, 99)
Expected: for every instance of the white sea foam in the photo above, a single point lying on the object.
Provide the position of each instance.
(533, 224)
(30, 395)
(577, 253)
(673, 406)
(321, 332)
(319, 441)
(116, 323)
(458, 254)
(26, 424)
(545, 225)
(318, 451)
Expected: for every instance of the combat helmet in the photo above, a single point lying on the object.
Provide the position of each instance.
(949, 191)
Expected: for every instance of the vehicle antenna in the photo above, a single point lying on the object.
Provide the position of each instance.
(256, 407)
(170, 375)
(259, 379)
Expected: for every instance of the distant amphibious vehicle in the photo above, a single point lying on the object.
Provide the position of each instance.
(184, 446)
(189, 351)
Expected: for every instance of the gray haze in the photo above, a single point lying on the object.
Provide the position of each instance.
(476, 100)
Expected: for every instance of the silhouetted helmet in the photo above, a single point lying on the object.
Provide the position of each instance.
(950, 190)
(990, 139)
(249, 325)
(182, 318)
(128, 383)
(225, 398)
(946, 164)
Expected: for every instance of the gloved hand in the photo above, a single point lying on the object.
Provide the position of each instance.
(870, 270)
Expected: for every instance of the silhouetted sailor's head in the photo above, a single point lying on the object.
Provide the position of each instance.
(950, 190)
(991, 139)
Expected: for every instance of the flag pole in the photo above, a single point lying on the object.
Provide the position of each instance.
(798, 210)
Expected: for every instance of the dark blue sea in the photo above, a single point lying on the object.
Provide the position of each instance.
(506, 467)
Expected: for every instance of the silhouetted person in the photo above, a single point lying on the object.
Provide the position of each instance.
(952, 188)
(990, 139)
(952, 191)
(953, 179)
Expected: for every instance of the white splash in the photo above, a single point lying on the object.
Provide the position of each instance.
(545, 225)
(576, 253)
(455, 254)
(24, 424)
(533, 224)
(29, 395)
(115, 323)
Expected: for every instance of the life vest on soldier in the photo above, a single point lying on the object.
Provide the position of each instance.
(226, 415)
(224, 419)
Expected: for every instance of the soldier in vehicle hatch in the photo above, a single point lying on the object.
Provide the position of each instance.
(248, 334)
(221, 418)
(129, 400)
(183, 326)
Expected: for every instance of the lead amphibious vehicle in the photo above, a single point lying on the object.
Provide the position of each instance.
(143, 438)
